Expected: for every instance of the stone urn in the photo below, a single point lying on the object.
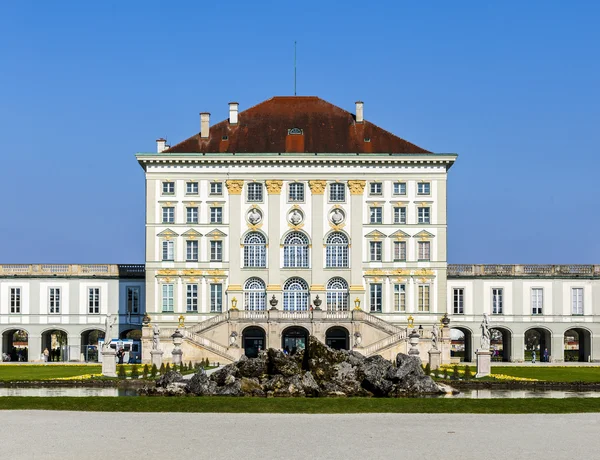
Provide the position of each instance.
(177, 341)
(413, 340)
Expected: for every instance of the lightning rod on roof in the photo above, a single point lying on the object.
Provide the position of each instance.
(294, 67)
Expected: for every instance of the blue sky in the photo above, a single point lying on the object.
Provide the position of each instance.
(512, 87)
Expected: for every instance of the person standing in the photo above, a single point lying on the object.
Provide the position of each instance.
(532, 356)
(546, 357)
(46, 355)
(120, 355)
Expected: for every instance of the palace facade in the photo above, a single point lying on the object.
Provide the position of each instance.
(296, 217)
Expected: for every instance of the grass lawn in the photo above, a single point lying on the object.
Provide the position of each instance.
(552, 374)
(21, 372)
(304, 405)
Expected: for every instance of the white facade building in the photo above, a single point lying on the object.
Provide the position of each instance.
(63, 308)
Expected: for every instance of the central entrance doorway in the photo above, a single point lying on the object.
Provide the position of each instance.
(253, 340)
(294, 339)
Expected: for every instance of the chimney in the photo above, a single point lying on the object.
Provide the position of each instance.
(204, 124)
(161, 145)
(359, 111)
(233, 113)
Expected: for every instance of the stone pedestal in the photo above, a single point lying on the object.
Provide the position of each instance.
(435, 358)
(109, 363)
(177, 356)
(156, 357)
(484, 360)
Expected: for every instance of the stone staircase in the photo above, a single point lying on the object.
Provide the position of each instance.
(208, 344)
(385, 343)
(209, 323)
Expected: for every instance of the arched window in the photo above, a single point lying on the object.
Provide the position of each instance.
(337, 250)
(255, 250)
(337, 294)
(295, 295)
(295, 250)
(254, 294)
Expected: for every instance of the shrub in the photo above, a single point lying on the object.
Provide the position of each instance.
(182, 367)
(162, 369)
(121, 373)
(427, 369)
(468, 375)
(190, 367)
(455, 374)
(135, 373)
(436, 373)
(154, 371)
(145, 371)
(446, 376)
(167, 368)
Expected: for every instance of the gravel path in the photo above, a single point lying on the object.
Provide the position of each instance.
(91, 435)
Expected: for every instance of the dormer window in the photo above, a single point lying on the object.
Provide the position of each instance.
(294, 131)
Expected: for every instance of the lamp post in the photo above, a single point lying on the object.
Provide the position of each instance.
(420, 330)
(357, 304)
(234, 304)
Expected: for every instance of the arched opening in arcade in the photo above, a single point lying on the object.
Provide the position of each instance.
(15, 345)
(500, 344)
(337, 338)
(89, 344)
(539, 341)
(461, 340)
(578, 345)
(253, 341)
(294, 339)
(56, 342)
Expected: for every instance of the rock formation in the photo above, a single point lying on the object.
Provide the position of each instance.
(316, 371)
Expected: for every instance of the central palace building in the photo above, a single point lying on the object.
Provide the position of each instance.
(296, 217)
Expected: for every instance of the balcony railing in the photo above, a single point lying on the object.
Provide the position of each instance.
(462, 270)
(41, 270)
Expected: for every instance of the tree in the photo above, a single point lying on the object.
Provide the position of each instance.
(122, 374)
(468, 375)
(167, 368)
(135, 373)
(446, 376)
(153, 371)
(145, 371)
(455, 374)
(162, 369)
(427, 369)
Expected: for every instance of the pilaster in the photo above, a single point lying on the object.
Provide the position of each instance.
(357, 289)
(317, 189)
(234, 187)
(273, 250)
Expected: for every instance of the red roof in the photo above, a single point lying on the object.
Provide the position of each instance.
(325, 128)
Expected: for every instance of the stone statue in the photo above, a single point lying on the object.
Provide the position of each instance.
(435, 336)
(485, 333)
(295, 217)
(109, 322)
(254, 217)
(155, 336)
(337, 216)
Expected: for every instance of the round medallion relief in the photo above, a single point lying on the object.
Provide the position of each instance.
(337, 216)
(254, 216)
(295, 217)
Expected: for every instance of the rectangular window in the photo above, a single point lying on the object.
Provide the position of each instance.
(296, 191)
(168, 215)
(192, 297)
(577, 295)
(255, 191)
(216, 188)
(497, 301)
(168, 252)
(423, 188)
(191, 188)
(167, 297)
(375, 297)
(376, 215)
(216, 297)
(337, 192)
(192, 215)
(400, 215)
(399, 188)
(168, 188)
(375, 251)
(399, 250)
(133, 299)
(399, 297)
(458, 301)
(423, 297)
(423, 214)
(94, 300)
(375, 188)
(15, 300)
(424, 252)
(191, 251)
(216, 215)
(54, 301)
(537, 301)
(216, 251)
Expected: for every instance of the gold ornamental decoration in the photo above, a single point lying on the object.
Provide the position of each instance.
(357, 187)
(167, 272)
(274, 186)
(234, 186)
(181, 321)
(317, 187)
